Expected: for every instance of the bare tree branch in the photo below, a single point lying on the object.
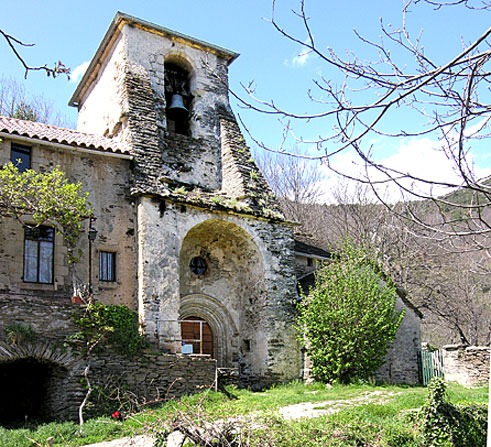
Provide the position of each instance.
(450, 96)
(57, 69)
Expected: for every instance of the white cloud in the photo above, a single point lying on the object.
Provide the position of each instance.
(78, 72)
(300, 59)
(417, 157)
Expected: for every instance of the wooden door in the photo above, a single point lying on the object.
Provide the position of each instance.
(197, 332)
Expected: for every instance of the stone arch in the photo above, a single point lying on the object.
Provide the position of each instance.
(180, 58)
(230, 293)
(218, 318)
(36, 381)
(179, 80)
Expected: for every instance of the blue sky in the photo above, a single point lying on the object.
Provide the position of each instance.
(71, 32)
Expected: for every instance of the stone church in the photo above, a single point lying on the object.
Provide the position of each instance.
(188, 232)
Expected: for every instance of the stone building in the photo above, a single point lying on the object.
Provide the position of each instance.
(188, 232)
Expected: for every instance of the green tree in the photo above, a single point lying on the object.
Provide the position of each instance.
(46, 197)
(348, 319)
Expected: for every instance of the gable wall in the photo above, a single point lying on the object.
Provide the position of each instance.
(402, 360)
(259, 298)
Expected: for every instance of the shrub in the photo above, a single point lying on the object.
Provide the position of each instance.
(114, 325)
(348, 318)
(442, 424)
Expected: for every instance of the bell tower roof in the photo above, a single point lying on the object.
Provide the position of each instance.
(120, 20)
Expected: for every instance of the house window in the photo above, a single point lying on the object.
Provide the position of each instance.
(107, 266)
(20, 156)
(39, 244)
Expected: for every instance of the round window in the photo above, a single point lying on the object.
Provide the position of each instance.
(198, 265)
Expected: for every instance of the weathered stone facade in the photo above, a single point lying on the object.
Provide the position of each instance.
(106, 177)
(466, 365)
(402, 360)
(162, 199)
(47, 373)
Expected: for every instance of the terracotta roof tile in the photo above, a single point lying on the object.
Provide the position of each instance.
(54, 134)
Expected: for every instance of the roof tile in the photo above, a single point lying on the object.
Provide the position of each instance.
(55, 134)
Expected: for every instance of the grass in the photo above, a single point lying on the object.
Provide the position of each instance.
(367, 424)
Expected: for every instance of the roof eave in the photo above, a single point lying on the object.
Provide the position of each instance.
(69, 146)
(119, 20)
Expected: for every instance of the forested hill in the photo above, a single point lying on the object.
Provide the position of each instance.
(448, 279)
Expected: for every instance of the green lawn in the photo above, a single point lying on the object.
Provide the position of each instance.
(367, 424)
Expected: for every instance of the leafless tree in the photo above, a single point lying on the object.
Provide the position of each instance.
(15, 45)
(294, 181)
(451, 96)
(452, 290)
(17, 102)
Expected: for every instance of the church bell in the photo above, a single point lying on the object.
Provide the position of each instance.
(177, 109)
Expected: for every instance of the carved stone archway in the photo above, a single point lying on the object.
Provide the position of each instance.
(225, 332)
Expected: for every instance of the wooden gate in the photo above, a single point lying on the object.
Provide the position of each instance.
(431, 365)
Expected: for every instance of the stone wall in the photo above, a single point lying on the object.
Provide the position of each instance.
(249, 289)
(402, 361)
(466, 365)
(107, 180)
(151, 376)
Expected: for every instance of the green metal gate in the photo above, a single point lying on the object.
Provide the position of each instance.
(431, 365)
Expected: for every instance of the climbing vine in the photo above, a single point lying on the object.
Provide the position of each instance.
(443, 424)
(107, 325)
(103, 325)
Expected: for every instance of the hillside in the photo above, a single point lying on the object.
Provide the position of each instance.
(448, 279)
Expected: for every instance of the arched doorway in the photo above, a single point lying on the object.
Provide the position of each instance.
(221, 280)
(197, 336)
(28, 388)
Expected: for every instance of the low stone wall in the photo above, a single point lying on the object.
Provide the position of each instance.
(152, 376)
(466, 365)
(52, 319)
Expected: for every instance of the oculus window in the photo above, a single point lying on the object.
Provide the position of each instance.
(198, 265)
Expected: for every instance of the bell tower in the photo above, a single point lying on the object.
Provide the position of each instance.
(197, 195)
(162, 92)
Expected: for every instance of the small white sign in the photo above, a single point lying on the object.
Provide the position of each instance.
(187, 349)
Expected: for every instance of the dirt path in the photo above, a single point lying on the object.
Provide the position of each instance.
(289, 412)
(316, 409)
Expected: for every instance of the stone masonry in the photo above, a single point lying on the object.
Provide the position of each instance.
(153, 376)
(467, 365)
